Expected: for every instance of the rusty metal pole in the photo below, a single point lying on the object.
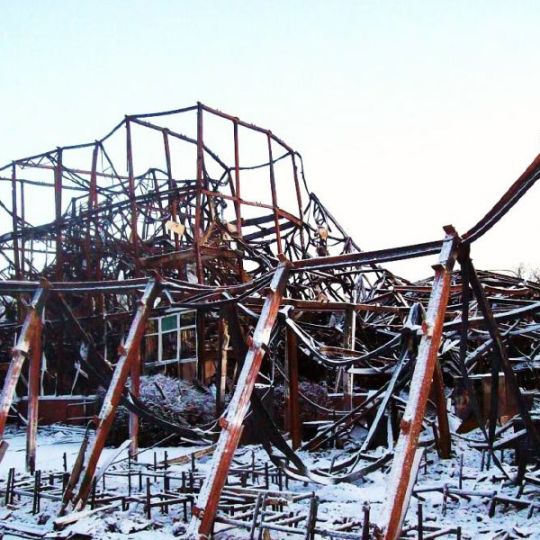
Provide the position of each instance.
(237, 192)
(34, 373)
(18, 355)
(400, 481)
(114, 392)
(349, 336)
(15, 225)
(207, 503)
(445, 440)
(58, 214)
(200, 186)
(299, 201)
(201, 327)
(221, 361)
(170, 184)
(135, 388)
(92, 205)
(14, 221)
(293, 406)
(274, 193)
(133, 203)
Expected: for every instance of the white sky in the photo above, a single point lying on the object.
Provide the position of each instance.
(409, 115)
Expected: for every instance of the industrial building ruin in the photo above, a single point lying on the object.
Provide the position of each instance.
(184, 253)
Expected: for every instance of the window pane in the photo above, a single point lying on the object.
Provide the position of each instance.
(170, 346)
(188, 343)
(187, 318)
(169, 323)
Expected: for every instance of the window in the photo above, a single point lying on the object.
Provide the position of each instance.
(171, 338)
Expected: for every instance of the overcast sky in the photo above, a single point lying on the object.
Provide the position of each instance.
(409, 115)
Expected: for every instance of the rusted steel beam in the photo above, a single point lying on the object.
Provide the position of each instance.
(274, 194)
(445, 439)
(19, 353)
(237, 186)
(171, 198)
(208, 500)
(293, 406)
(222, 361)
(135, 388)
(200, 187)
(298, 200)
(58, 214)
(14, 223)
(501, 353)
(201, 348)
(34, 373)
(128, 354)
(349, 336)
(131, 190)
(369, 257)
(411, 423)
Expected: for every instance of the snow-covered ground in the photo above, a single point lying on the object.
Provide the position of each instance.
(336, 502)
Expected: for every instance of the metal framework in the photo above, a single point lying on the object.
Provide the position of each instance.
(165, 213)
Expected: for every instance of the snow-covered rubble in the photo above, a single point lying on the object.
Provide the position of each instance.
(337, 502)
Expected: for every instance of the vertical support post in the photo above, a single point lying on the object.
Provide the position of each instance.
(349, 336)
(223, 353)
(198, 199)
(15, 225)
(400, 481)
(445, 440)
(293, 405)
(237, 192)
(14, 221)
(34, 373)
(133, 202)
(22, 246)
(238, 196)
(299, 200)
(207, 503)
(135, 374)
(274, 193)
(92, 204)
(58, 214)
(18, 355)
(201, 354)
(170, 184)
(128, 354)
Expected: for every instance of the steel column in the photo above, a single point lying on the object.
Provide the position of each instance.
(58, 214)
(445, 440)
(398, 491)
(232, 426)
(135, 388)
(18, 355)
(293, 406)
(34, 373)
(114, 392)
(349, 336)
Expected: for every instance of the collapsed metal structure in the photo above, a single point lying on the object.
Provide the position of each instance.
(278, 290)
